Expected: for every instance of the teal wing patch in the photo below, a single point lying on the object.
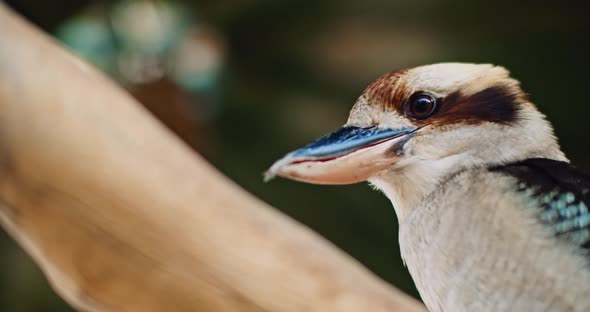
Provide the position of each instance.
(562, 192)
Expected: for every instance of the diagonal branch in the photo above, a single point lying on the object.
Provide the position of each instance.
(122, 216)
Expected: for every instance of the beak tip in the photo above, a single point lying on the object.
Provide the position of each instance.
(274, 170)
(268, 175)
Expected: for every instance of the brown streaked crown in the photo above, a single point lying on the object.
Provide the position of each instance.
(389, 90)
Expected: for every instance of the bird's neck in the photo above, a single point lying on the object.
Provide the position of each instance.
(407, 185)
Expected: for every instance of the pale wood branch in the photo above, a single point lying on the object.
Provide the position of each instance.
(121, 216)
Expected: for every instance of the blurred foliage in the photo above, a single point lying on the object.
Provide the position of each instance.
(294, 69)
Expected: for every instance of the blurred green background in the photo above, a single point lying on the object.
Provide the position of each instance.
(259, 77)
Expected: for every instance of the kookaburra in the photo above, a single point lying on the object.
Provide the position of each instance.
(492, 217)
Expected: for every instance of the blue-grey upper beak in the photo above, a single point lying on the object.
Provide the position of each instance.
(345, 140)
(335, 145)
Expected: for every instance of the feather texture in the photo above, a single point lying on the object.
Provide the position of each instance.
(561, 193)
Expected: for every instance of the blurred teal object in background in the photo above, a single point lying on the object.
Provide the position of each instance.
(196, 63)
(90, 38)
(139, 42)
(150, 27)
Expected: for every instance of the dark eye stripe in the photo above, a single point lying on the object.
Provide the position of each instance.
(495, 104)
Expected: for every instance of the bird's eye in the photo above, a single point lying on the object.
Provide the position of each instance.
(421, 105)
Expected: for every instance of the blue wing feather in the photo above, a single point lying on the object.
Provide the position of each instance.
(562, 193)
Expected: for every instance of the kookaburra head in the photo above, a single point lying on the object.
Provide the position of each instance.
(411, 128)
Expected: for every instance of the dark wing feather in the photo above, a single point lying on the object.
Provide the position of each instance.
(562, 192)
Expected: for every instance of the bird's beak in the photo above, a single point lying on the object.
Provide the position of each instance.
(348, 155)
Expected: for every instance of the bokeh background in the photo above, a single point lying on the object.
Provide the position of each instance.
(245, 81)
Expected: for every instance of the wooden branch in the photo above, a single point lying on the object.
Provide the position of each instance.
(121, 216)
